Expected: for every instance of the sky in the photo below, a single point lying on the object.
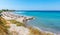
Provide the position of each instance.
(30, 4)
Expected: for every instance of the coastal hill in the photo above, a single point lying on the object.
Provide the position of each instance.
(4, 30)
(13, 27)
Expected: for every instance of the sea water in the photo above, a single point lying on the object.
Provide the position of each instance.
(49, 21)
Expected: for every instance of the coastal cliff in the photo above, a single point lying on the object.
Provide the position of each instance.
(31, 30)
(13, 27)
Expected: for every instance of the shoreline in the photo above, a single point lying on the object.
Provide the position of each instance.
(44, 30)
(37, 27)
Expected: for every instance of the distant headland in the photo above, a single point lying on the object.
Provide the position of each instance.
(6, 10)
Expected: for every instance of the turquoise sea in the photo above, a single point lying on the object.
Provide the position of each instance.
(49, 21)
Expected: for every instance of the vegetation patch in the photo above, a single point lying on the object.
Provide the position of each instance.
(3, 28)
(17, 23)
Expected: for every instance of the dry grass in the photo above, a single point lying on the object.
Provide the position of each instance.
(3, 28)
(35, 31)
(17, 23)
